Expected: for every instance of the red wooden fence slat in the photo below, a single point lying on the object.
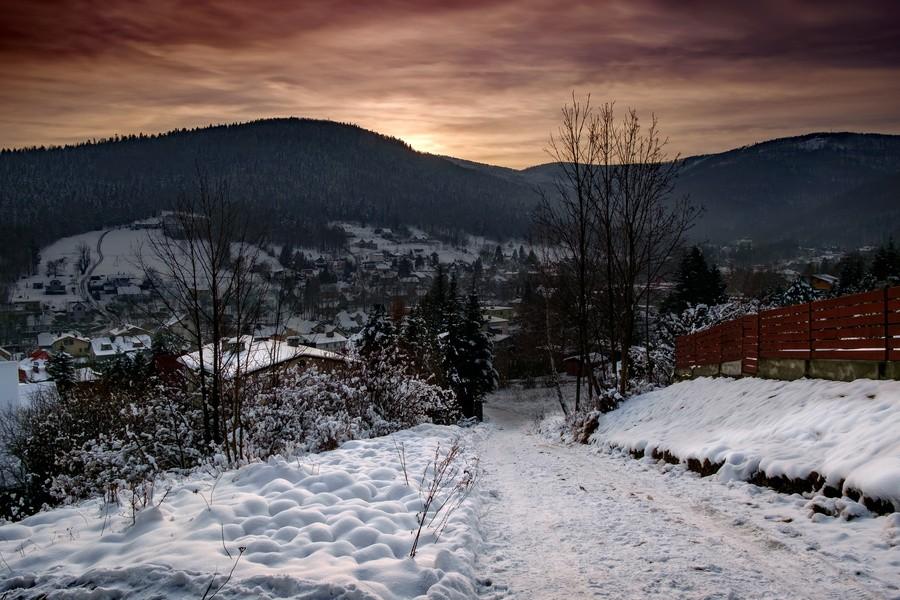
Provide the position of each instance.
(858, 327)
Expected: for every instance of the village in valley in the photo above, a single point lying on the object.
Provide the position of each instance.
(90, 299)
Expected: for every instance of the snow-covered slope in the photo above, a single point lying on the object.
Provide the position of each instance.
(335, 525)
(847, 433)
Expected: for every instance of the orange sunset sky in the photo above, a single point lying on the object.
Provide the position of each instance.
(479, 80)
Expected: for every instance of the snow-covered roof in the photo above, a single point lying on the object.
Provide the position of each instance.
(110, 346)
(127, 329)
(325, 338)
(253, 355)
(35, 369)
(48, 339)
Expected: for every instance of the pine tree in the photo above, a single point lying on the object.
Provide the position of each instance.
(469, 359)
(886, 264)
(378, 333)
(286, 256)
(799, 292)
(696, 283)
(434, 304)
(852, 275)
(61, 369)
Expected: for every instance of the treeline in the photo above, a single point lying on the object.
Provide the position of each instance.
(295, 175)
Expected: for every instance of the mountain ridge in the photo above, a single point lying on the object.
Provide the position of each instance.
(298, 174)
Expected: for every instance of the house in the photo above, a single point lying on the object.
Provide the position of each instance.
(77, 309)
(128, 329)
(247, 356)
(33, 368)
(14, 393)
(823, 281)
(503, 312)
(104, 348)
(496, 325)
(55, 288)
(72, 343)
(332, 340)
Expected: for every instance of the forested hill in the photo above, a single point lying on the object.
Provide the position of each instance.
(294, 174)
(818, 189)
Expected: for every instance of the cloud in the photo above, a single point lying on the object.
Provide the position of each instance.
(480, 79)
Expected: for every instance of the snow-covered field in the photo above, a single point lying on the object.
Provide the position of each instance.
(848, 433)
(335, 525)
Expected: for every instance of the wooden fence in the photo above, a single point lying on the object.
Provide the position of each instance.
(861, 327)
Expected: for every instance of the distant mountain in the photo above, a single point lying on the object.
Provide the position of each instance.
(297, 174)
(821, 188)
(294, 174)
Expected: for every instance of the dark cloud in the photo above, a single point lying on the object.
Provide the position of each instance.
(480, 79)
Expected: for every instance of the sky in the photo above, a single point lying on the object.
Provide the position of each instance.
(482, 80)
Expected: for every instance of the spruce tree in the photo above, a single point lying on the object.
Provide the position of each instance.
(470, 359)
(696, 283)
(61, 369)
(886, 264)
(379, 332)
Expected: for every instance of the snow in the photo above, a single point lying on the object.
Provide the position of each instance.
(254, 355)
(102, 347)
(842, 431)
(335, 525)
(585, 521)
(424, 244)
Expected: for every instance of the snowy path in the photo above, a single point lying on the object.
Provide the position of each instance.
(567, 522)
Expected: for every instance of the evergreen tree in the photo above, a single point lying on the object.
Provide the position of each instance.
(696, 283)
(799, 292)
(498, 255)
(61, 369)
(434, 303)
(852, 274)
(378, 333)
(886, 264)
(469, 359)
(404, 268)
(286, 256)
(417, 342)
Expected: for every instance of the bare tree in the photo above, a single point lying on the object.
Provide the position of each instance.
(611, 225)
(84, 257)
(567, 222)
(204, 268)
(641, 223)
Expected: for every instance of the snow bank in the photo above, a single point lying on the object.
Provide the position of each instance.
(848, 433)
(334, 525)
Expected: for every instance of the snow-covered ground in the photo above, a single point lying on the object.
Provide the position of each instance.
(577, 521)
(335, 525)
(845, 432)
(447, 253)
(552, 521)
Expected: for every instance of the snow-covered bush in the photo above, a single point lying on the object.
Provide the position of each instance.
(313, 411)
(146, 436)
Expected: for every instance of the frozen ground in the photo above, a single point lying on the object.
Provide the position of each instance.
(335, 525)
(581, 522)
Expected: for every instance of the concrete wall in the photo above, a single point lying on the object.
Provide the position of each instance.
(781, 368)
(731, 368)
(788, 369)
(843, 370)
